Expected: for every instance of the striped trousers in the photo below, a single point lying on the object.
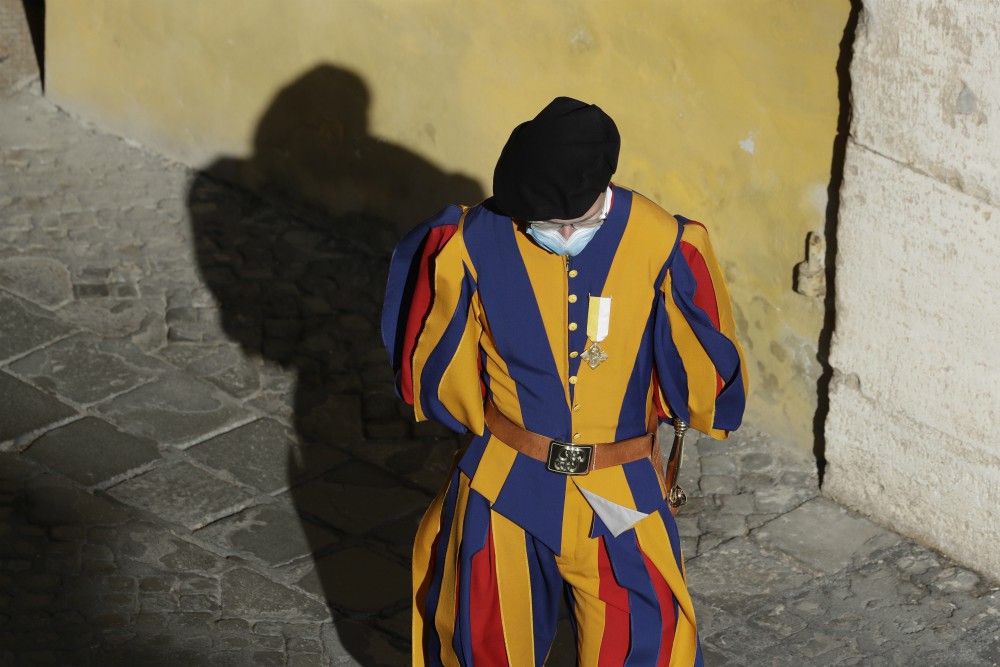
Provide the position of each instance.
(487, 594)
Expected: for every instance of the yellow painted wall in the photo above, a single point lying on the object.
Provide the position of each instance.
(727, 110)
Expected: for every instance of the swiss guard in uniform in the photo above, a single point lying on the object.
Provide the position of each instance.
(560, 322)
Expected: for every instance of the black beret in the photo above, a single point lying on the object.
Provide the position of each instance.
(556, 165)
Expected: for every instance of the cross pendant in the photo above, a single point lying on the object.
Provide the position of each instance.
(594, 356)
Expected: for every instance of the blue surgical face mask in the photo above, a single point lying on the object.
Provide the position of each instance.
(553, 241)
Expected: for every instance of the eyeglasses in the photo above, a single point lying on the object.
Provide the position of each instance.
(546, 226)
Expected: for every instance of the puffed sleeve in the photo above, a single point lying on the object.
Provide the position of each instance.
(431, 324)
(699, 362)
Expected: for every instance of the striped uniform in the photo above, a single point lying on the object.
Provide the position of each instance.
(475, 309)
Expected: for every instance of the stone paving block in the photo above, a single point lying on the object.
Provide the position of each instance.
(710, 618)
(731, 646)
(718, 464)
(86, 369)
(353, 643)
(174, 410)
(110, 318)
(741, 505)
(739, 572)
(824, 536)
(399, 624)
(240, 379)
(722, 525)
(398, 535)
(356, 498)
(358, 579)
(182, 493)
(158, 550)
(42, 280)
(92, 452)
(248, 594)
(335, 421)
(813, 647)
(779, 498)
(265, 455)
(25, 410)
(424, 462)
(13, 471)
(756, 462)
(54, 502)
(717, 484)
(270, 533)
(24, 326)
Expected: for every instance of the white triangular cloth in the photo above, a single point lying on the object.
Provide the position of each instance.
(617, 518)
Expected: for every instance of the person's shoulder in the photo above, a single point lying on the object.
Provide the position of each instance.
(657, 215)
(649, 214)
(447, 216)
(484, 213)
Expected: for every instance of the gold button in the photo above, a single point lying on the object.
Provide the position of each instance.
(574, 354)
(576, 436)
(574, 273)
(572, 379)
(576, 408)
(572, 298)
(572, 326)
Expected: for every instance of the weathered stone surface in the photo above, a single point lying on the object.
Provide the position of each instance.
(174, 410)
(722, 574)
(273, 534)
(25, 326)
(356, 498)
(265, 455)
(781, 498)
(359, 580)
(423, 462)
(247, 594)
(824, 536)
(349, 641)
(92, 452)
(86, 369)
(42, 280)
(182, 493)
(27, 410)
(109, 318)
(910, 435)
(337, 420)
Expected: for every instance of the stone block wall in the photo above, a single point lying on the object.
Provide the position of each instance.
(915, 398)
(17, 53)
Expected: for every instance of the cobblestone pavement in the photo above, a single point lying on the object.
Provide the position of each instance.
(202, 461)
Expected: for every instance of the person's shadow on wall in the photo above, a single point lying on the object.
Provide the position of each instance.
(300, 286)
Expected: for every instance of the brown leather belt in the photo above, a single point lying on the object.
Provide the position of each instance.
(570, 458)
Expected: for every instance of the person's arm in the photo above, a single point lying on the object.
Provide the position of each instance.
(699, 362)
(430, 324)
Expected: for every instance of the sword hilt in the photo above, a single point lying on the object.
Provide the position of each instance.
(675, 494)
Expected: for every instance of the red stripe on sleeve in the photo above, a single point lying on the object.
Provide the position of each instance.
(666, 599)
(420, 306)
(617, 627)
(488, 646)
(704, 293)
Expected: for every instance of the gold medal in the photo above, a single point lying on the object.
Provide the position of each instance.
(594, 356)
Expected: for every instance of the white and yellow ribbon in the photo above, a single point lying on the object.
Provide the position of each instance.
(599, 318)
(598, 323)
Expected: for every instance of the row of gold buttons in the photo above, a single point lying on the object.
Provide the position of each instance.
(573, 355)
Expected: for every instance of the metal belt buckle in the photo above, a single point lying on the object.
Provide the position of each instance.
(569, 459)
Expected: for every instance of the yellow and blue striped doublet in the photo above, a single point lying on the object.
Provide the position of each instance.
(475, 310)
